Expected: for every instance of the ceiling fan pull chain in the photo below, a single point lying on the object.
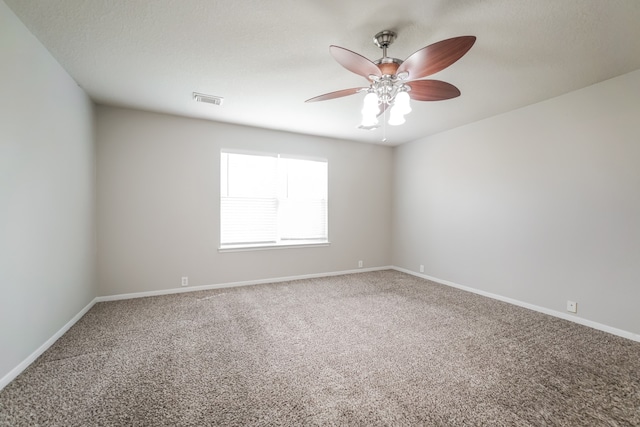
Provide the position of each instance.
(384, 127)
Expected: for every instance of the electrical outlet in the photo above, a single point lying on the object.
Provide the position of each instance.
(572, 306)
(360, 264)
(421, 268)
(185, 281)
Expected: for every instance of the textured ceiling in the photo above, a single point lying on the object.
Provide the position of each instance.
(266, 57)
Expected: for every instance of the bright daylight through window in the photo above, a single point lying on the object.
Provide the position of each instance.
(271, 200)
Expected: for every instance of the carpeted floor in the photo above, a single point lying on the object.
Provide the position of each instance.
(379, 348)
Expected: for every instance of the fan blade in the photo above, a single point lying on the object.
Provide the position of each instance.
(436, 57)
(354, 62)
(336, 94)
(432, 90)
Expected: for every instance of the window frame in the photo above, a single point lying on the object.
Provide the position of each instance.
(279, 244)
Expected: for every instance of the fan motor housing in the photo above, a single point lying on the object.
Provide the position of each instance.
(388, 66)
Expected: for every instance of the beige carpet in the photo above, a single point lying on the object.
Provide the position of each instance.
(380, 348)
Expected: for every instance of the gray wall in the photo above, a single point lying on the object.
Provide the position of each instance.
(47, 245)
(541, 204)
(158, 203)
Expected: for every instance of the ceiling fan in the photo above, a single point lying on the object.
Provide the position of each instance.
(392, 82)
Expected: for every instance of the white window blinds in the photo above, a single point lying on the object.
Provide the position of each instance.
(272, 200)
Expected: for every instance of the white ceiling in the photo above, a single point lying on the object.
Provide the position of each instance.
(265, 57)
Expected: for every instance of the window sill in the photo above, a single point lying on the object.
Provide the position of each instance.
(268, 246)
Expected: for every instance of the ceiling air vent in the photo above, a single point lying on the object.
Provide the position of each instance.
(209, 99)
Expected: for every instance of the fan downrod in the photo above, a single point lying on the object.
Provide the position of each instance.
(387, 65)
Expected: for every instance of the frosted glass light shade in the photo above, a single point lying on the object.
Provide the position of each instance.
(402, 102)
(370, 104)
(370, 109)
(369, 120)
(396, 117)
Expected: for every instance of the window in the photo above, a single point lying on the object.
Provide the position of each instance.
(272, 200)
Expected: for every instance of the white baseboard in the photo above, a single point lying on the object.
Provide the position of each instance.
(236, 284)
(572, 318)
(33, 356)
(25, 363)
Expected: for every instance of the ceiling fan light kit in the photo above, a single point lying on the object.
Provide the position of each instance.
(393, 83)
